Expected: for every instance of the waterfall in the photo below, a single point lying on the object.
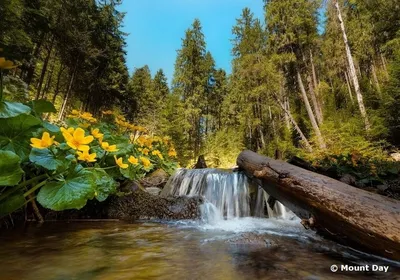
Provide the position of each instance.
(228, 194)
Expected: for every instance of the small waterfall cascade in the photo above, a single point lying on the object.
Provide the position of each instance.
(228, 194)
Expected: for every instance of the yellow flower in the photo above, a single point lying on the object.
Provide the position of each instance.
(43, 143)
(84, 125)
(6, 64)
(141, 140)
(108, 112)
(96, 133)
(120, 163)
(122, 118)
(146, 162)
(133, 160)
(145, 151)
(85, 156)
(89, 117)
(75, 112)
(157, 153)
(77, 140)
(172, 152)
(109, 148)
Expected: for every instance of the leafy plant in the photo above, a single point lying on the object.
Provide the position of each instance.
(65, 166)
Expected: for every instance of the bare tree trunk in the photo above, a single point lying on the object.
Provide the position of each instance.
(49, 80)
(383, 59)
(32, 64)
(314, 74)
(353, 74)
(378, 87)
(316, 105)
(44, 69)
(311, 116)
(67, 94)
(349, 87)
(302, 136)
(285, 103)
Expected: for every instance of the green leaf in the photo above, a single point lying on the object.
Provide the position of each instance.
(15, 134)
(106, 185)
(12, 203)
(12, 109)
(132, 172)
(42, 106)
(10, 170)
(44, 158)
(51, 127)
(70, 193)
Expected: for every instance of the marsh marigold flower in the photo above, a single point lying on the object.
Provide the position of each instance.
(43, 143)
(77, 139)
(133, 160)
(157, 153)
(172, 152)
(108, 112)
(120, 163)
(145, 151)
(146, 162)
(96, 133)
(85, 156)
(6, 64)
(109, 148)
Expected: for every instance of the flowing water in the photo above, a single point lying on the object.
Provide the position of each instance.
(233, 240)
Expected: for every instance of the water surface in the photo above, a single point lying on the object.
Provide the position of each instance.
(247, 248)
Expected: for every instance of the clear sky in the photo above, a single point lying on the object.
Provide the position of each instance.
(156, 29)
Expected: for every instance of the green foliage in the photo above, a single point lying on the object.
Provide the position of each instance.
(10, 170)
(90, 160)
(71, 191)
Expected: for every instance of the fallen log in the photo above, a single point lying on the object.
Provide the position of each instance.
(351, 216)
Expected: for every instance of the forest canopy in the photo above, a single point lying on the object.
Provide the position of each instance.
(305, 84)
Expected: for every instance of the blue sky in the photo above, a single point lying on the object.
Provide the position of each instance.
(156, 28)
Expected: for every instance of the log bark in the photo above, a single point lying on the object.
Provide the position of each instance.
(351, 216)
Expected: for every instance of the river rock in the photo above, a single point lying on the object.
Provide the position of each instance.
(157, 178)
(153, 190)
(395, 156)
(252, 239)
(141, 205)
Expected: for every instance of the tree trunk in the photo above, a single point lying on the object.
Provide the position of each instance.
(49, 80)
(378, 87)
(349, 87)
(351, 216)
(32, 63)
(64, 104)
(383, 59)
(44, 69)
(316, 105)
(314, 124)
(303, 138)
(314, 74)
(353, 74)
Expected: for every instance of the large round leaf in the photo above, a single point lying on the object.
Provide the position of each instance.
(42, 106)
(12, 109)
(72, 192)
(44, 158)
(12, 203)
(105, 184)
(10, 170)
(15, 134)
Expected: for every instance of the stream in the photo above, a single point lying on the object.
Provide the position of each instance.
(238, 237)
